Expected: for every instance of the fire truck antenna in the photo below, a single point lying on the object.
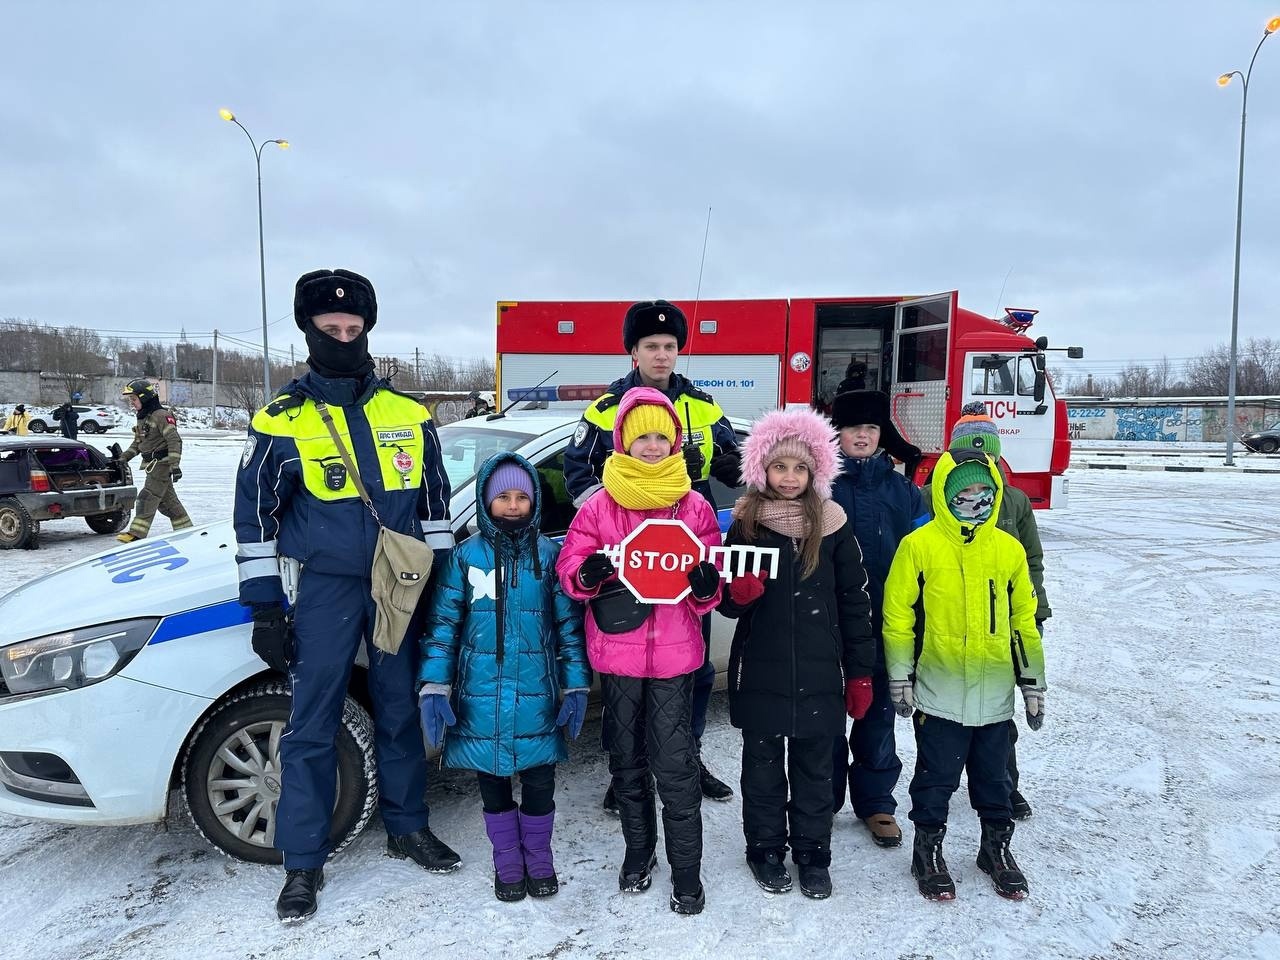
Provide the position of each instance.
(697, 296)
(995, 311)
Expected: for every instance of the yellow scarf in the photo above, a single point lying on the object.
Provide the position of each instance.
(637, 485)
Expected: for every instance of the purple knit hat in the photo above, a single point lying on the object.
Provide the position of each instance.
(508, 476)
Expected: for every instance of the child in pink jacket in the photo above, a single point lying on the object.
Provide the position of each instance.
(646, 654)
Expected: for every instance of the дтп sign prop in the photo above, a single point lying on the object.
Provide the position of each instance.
(654, 560)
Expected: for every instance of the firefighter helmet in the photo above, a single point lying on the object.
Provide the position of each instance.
(140, 388)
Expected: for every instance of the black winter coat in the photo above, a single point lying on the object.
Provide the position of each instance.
(796, 645)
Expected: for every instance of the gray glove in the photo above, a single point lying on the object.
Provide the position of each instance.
(902, 697)
(1033, 697)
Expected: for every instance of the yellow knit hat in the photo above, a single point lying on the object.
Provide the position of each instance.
(647, 418)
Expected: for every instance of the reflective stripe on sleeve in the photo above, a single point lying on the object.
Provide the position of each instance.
(440, 541)
(253, 569)
(249, 550)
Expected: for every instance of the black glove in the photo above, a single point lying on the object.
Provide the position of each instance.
(272, 638)
(595, 570)
(727, 468)
(175, 474)
(694, 461)
(116, 452)
(705, 580)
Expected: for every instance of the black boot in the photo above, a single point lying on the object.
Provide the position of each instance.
(815, 881)
(424, 849)
(688, 896)
(713, 788)
(996, 860)
(1021, 809)
(769, 870)
(297, 899)
(610, 802)
(636, 874)
(928, 867)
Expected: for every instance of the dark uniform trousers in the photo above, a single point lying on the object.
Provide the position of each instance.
(875, 768)
(766, 810)
(649, 736)
(333, 614)
(945, 749)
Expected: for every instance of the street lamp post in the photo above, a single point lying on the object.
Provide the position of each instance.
(230, 117)
(1271, 27)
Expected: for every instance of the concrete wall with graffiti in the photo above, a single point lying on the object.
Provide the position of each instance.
(1166, 421)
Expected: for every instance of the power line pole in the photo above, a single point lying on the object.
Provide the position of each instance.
(417, 369)
(213, 410)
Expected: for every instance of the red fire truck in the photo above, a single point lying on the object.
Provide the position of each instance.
(929, 355)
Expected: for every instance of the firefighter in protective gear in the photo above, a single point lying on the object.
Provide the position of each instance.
(654, 332)
(296, 504)
(156, 439)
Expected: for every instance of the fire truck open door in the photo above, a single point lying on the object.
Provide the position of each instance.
(921, 348)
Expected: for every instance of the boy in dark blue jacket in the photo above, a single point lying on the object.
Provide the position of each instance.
(883, 506)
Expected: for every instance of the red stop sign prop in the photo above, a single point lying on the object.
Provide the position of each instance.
(655, 560)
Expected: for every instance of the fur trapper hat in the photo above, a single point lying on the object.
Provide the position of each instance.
(334, 291)
(648, 318)
(797, 432)
(872, 406)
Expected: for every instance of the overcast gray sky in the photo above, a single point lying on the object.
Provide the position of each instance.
(462, 153)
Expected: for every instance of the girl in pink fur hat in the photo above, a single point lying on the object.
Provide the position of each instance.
(802, 654)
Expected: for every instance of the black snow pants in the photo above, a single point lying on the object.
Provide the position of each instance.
(650, 736)
(766, 809)
(944, 750)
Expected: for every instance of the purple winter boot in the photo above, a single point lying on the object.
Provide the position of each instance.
(540, 869)
(508, 862)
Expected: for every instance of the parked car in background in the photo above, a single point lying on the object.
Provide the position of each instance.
(52, 478)
(1263, 441)
(148, 682)
(93, 419)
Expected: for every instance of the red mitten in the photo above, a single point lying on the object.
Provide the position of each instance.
(747, 589)
(857, 697)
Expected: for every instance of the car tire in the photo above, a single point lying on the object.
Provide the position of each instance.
(249, 724)
(37, 426)
(107, 522)
(1268, 446)
(91, 426)
(17, 529)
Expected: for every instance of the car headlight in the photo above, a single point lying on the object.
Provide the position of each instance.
(74, 658)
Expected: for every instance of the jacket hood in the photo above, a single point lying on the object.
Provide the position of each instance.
(633, 398)
(963, 532)
(489, 529)
(798, 423)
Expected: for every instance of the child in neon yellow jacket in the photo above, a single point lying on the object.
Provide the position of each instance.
(959, 636)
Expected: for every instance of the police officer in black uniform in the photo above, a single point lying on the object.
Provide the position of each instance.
(654, 332)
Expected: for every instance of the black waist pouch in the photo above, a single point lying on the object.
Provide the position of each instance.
(616, 610)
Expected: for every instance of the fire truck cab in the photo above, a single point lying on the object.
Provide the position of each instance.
(929, 355)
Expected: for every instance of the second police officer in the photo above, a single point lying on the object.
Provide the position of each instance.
(653, 333)
(295, 499)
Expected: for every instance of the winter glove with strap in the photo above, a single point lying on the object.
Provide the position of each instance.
(1033, 697)
(902, 697)
(272, 638)
(595, 570)
(857, 697)
(573, 710)
(746, 589)
(694, 461)
(436, 714)
(705, 580)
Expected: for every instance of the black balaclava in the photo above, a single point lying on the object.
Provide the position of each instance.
(149, 406)
(337, 360)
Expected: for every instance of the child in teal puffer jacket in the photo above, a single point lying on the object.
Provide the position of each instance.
(503, 636)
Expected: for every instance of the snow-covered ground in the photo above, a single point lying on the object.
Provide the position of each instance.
(1156, 785)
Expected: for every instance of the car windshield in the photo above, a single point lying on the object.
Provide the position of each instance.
(464, 447)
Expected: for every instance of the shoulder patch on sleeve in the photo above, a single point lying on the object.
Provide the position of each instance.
(250, 445)
(168, 418)
(580, 434)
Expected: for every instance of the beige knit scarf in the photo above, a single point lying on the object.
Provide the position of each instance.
(787, 517)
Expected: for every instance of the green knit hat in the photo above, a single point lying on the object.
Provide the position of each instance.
(975, 431)
(967, 474)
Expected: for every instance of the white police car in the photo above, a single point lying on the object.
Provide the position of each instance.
(147, 682)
